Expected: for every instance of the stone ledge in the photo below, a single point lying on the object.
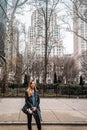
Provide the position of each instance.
(47, 123)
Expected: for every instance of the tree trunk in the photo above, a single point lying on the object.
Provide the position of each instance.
(4, 79)
(46, 42)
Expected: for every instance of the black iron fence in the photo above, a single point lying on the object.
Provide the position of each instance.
(49, 90)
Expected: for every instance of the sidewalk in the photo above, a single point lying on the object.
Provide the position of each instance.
(54, 110)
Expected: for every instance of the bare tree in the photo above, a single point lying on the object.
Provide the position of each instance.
(70, 70)
(4, 74)
(38, 68)
(66, 69)
(74, 12)
(9, 16)
(83, 60)
(13, 7)
(58, 65)
(46, 9)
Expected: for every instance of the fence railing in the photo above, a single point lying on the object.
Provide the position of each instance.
(49, 90)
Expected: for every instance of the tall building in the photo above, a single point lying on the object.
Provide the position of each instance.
(36, 40)
(37, 35)
(80, 27)
(3, 8)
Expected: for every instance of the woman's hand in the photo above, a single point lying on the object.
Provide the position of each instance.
(29, 111)
(33, 109)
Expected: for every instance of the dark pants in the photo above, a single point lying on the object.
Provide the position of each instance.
(37, 119)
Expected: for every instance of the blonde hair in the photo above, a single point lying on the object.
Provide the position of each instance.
(29, 90)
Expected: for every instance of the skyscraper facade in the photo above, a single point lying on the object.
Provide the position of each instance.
(80, 28)
(37, 35)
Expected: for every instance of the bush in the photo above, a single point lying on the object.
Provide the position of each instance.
(70, 89)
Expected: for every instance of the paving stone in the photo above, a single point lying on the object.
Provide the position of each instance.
(52, 110)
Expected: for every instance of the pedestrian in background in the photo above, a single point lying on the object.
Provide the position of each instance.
(32, 100)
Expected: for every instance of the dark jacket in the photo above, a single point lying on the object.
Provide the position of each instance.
(28, 101)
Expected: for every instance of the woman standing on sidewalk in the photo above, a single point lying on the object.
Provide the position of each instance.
(32, 100)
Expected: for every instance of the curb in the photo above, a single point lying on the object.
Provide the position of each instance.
(47, 123)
